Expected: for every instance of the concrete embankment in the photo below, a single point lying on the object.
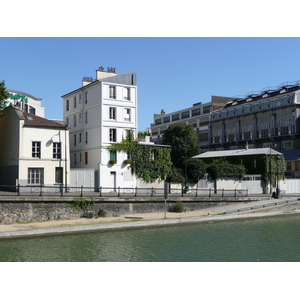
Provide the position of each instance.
(25, 209)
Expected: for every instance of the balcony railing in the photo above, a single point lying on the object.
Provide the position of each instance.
(62, 191)
(255, 135)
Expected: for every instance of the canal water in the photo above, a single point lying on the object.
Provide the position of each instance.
(268, 239)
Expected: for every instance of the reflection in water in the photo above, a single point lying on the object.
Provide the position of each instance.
(263, 239)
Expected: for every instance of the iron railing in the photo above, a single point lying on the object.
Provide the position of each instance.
(60, 191)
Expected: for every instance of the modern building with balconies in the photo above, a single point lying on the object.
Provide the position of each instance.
(265, 119)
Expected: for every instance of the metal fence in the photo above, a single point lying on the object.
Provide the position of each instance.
(62, 191)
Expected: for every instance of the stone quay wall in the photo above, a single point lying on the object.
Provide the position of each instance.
(25, 209)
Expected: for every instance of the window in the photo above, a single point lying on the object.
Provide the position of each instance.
(128, 155)
(112, 113)
(196, 112)
(128, 133)
(112, 135)
(153, 155)
(112, 92)
(58, 175)
(36, 149)
(31, 110)
(166, 119)
(175, 117)
(86, 117)
(86, 158)
(67, 121)
(35, 176)
(157, 122)
(86, 137)
(75, 142)
(86, 97)
(75, 159)
(127, 94)
(289, 166)
(79, 137)
(67, 105)
(127, 114)
(57, 150)
(112, 154)
(206, 109)
(74, 120)
(80, 98)
(297, 165)
(185, 114)
(80, 118)
(75, 102)
(80, 157)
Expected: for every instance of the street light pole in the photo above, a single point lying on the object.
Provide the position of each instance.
(277, 186)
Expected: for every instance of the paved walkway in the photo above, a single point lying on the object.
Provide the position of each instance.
(156, 219)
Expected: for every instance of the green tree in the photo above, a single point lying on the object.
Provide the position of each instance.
(183, 140)
(143, 133)
(148, 162)
(3, 96)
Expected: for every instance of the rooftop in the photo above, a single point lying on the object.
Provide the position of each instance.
(238, 152)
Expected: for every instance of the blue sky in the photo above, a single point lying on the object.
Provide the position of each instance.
(172, 73)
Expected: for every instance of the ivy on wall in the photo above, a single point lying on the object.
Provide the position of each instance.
(148, 162)
(223, 169)
(273, 169)
(270, 167)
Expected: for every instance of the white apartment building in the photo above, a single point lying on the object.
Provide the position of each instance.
(99, 113)
(196, 116)
(33, 151)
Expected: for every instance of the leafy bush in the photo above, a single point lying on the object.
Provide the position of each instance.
(112, 161)
(127, 161)
(179, 207)
(225, 170)
(102, 213)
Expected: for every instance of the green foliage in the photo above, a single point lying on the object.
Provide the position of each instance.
(143, 133)
(112, 161)
(273, 169)
(196, 170)
(183, 140)
(102, 213)
(177, 175)
(81, 203)
(179, 207)
(223, 169)
(141, 162)
(3, 96)
(127, 161)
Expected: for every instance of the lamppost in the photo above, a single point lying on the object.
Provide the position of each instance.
(277, 187)
(270, 166)
(66, 163)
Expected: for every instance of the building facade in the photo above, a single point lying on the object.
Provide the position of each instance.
(266, 119)
(34, 151)
(102, 111)
(25, 102)
(196, 116)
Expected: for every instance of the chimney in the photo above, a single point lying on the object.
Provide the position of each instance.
(162, 112)
(101, 73)
(87, 80)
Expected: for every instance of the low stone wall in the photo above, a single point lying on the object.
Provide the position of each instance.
(22, 209)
